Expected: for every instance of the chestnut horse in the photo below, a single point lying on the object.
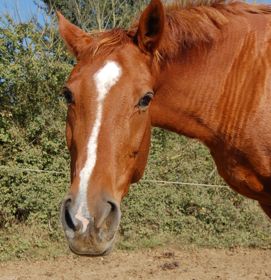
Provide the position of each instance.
(201, 71)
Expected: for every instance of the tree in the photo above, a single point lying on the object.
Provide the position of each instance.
(99, 15)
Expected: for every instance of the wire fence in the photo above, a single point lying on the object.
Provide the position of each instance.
(19, 169)
(162, 182)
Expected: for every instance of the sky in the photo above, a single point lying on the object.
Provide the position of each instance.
(22, 10)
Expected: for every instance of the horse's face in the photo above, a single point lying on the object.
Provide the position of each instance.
(108, 134)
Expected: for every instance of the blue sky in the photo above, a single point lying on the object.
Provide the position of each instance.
(24, 9)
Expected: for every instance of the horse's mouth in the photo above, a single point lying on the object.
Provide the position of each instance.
(92, 253)
(91, 249)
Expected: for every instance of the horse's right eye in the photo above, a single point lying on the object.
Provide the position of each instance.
(68, 95)
(145, 100)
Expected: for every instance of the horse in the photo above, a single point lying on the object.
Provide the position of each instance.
(203, 71)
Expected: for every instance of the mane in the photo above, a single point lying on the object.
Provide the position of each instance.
(186, 26)
(197, 25)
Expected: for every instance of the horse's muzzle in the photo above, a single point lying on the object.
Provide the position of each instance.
(90, 234)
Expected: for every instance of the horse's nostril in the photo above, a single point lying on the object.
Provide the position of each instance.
(113, 206)
(67, 215)
(68, 220)
(113, 217)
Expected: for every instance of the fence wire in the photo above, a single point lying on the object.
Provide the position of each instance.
(162, 182)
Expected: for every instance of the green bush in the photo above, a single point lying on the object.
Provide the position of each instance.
(33, 67)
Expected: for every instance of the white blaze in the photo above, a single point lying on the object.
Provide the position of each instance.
(104, 79)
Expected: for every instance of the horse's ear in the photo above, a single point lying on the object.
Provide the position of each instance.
(75, 38)
(151, 26)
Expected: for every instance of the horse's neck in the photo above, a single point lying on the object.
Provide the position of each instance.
(222, 97)
(206, 94)
(188, 95)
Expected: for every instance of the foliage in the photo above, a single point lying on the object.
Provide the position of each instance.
(97, 15)
(33, 67)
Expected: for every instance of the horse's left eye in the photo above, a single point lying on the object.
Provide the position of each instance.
(145, 100)
(68, 95)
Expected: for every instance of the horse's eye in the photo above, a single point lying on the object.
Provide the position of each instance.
(145, 100)
(68, 95)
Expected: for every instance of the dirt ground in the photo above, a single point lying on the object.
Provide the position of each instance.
(170, 263)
